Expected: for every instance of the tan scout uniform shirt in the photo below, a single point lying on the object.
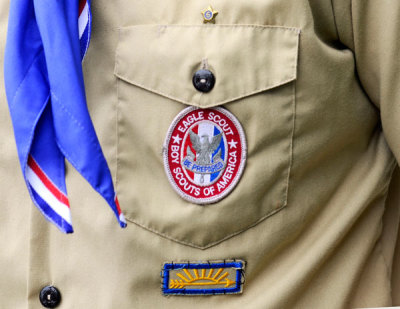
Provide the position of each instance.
(316, 87)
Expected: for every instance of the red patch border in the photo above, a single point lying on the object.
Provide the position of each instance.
(238, 175)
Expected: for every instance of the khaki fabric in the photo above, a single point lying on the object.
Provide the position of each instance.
(315, 85)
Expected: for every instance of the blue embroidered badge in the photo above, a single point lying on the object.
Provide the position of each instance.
(205, 278)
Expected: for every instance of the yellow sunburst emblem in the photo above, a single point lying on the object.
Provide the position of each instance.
(194, 279)
(203, 278)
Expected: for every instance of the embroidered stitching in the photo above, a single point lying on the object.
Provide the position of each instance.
(217, 197)
(194, 278)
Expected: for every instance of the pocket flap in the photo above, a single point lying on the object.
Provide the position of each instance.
(245, 59)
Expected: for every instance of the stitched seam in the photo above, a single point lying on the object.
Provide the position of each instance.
(26, 75)
(243, 94)
(291, 144)
(117, 126)
(93, 140)
(76, 121)
(271, 213)
(232, 26)
(27, 151)
(28, 146)
(293, 127)
(89, 178)
(284, 204)
(297, 30)
(117, 136)
(214, 104)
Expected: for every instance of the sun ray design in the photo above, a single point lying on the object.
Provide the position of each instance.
(195, 279)
(188, 274)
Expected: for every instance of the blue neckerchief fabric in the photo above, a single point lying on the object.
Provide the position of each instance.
(46, 97)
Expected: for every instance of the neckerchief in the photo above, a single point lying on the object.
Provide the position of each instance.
(46, 42)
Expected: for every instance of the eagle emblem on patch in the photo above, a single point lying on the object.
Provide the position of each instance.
(204, 154)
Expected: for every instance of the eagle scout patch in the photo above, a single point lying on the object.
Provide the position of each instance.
(210, 278)
(204, 154)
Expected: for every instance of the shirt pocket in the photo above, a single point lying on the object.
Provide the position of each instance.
(255, 69)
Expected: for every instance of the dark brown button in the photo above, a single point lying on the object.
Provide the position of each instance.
(203, 80)
(50, 297)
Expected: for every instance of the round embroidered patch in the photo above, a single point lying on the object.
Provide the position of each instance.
(204, 154)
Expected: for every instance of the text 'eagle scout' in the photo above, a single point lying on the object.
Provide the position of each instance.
(208, 278)
(204, 154)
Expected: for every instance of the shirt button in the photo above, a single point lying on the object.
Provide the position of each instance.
(203, 80)
(50, 297)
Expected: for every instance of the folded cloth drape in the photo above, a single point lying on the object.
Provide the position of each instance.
(46, 42)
